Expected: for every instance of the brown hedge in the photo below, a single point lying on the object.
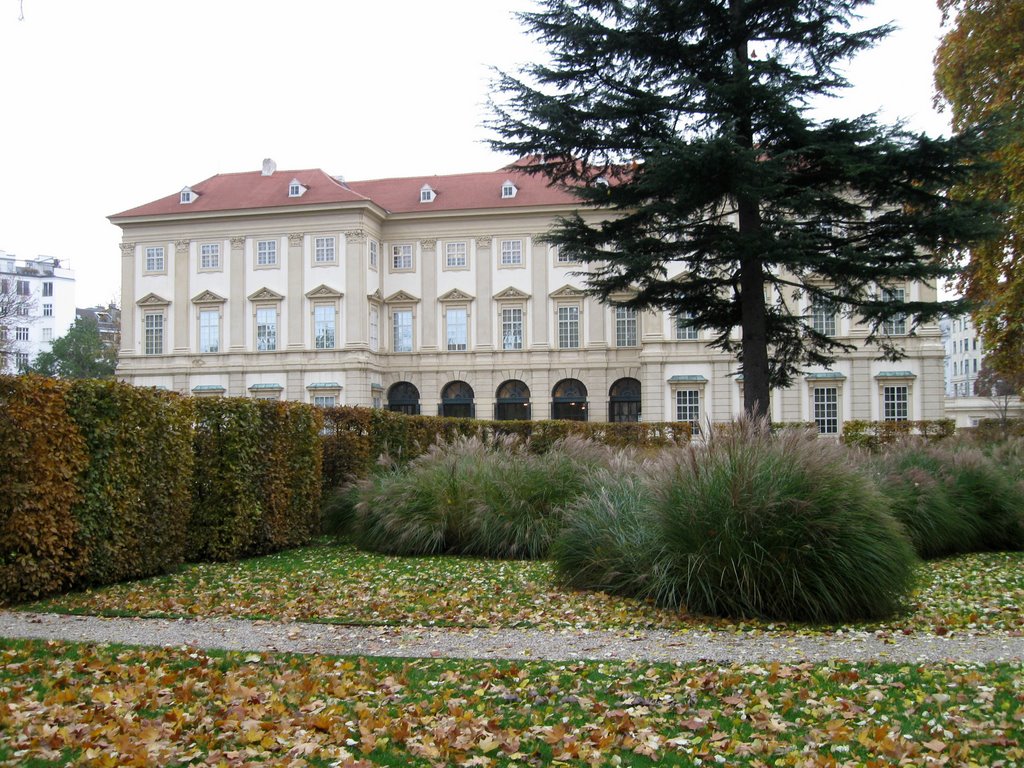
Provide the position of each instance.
(875, 434)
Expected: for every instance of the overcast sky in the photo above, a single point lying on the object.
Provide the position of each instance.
(109, 104)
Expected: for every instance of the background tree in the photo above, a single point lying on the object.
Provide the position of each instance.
(688, 121)
(1000, 388)
(78, 354)
(13, 305)
(979, 73)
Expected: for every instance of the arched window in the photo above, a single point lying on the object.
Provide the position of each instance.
(624, 400)
(404, 398)
(512, 401)
(457, 400)
(569, 400)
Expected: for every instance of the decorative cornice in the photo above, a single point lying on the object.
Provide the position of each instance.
(181, 246)
(355, 236)
(428, 245)
(152, 300)
(375, 296)
(128, 250)
(265, 294)
(511, 294)
(455, 295)
(566, 292)
(324, 292)
(401, 297)
(296, 238)
(484, 241)
(237, 243)
(208, 297)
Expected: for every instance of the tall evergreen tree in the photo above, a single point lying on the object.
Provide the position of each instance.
(688, 121)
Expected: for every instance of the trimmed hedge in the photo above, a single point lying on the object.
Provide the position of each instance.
(875, 434)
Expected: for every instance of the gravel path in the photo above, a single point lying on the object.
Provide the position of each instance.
(240, 635)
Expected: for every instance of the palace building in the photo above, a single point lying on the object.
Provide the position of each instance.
(438, 295)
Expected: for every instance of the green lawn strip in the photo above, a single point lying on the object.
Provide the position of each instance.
(114, 705)
(338, 584)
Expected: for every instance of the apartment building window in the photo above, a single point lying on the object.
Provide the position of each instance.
(401, 258)
(897, 324)
(153, 326)
(457, 328)
(47, 310)
(374, 328)
(47, 288)
(266, 253)
(323, 326)
(324, 250)
(826, 410)
(569, 327)
(23, 288)
(511, 253)
(624, 401)
(47, 334)
(21, 310)
(823, 316)
(374, 253)
(155, 261)
(455, 256)
(512, 401)
(21, 334)
(569, 400)
(266, 329)
(685, 329)
(209, 256)
(625, 327)
(21, 361)
(687, 402)
(511, 327)
(401, 320)
(895, 402)
(209, 330)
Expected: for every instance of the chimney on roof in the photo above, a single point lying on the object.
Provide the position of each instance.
(269, 166)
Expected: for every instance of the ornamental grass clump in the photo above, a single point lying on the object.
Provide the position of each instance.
(778, 527)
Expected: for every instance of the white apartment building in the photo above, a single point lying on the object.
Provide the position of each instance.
(438, 295)
(964, 354)
(42, 294)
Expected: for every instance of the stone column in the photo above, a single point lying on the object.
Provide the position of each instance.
(180, 306)
(295, 299)
(540, 309)
(484, 302)
(357, 330)
(428, 288)
(596, 324)
(236, 297)
(129, 316)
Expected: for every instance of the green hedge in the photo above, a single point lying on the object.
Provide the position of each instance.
(875, 434)
(354, 438)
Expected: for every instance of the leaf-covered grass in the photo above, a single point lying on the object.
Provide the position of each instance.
(982, 592)
(111, 706)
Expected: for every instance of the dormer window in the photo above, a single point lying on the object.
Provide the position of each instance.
(295, 188)
(508, 190)
(427, 194)
(187, 195)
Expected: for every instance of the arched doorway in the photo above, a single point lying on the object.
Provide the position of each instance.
(404, 398)
(512, 401)
(457, 401)
(569, 400)
(624, 400)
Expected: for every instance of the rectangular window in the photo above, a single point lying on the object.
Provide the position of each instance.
(512, 328)
(23, 288)
(154, 333)
(325, 401)
(897, 324)
(685, 329)
(826, 410)
(323, 326)
(457, 325)
(47, 334)
(625, 327)
(21, 360)
(374, 329)
(688, 408)
(568, 327)
(823, 317)
(209, 330)
(511, 253)
(266, 329)
(401, 258)
(323, 250)
(402, 340)
(47, 289)
(21, 310)
(455, 256)
(895, 403)
(21, 334)
(47, 310)
(266, 253)
(373, 254)
(209, 256)
(155, 258)
(563, 257)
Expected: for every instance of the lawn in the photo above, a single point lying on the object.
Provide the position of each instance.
(328, 582)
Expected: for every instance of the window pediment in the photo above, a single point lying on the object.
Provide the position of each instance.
(324, 292)
(511, 294)
(566, 292)
(265, 294)
(455, 295)
(375, 296)
(208, 297)
(153, 300)
(401, 297)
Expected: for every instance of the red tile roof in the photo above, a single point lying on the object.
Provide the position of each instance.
(467, 191)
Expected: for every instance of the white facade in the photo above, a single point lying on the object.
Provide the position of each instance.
(377, 294)
(964, 355)
(46, 312)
